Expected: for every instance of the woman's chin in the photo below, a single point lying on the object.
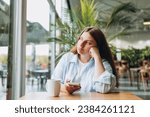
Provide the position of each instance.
(81, 52)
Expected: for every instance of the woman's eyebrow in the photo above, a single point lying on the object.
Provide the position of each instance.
(86, 39)
(90, 40)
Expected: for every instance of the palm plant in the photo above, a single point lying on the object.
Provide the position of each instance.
(119, 21)
(69, 32)
(90, 16)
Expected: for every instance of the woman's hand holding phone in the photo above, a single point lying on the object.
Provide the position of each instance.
(72, 87)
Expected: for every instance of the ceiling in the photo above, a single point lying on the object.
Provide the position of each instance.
(139, 38)
(142, 5)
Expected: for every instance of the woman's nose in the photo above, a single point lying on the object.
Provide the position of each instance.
(82, 44)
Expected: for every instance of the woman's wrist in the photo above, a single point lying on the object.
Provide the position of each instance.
(97, 58)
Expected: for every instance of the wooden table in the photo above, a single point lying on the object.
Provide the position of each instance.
(82, 96)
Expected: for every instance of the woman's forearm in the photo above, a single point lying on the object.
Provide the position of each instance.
(99, 67)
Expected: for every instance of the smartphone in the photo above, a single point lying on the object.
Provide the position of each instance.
(73, 84)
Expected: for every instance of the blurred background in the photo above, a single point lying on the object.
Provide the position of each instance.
(49, 29)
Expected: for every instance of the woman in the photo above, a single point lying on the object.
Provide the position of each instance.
(89, 63)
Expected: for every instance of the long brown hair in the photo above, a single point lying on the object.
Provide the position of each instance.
(102, 45)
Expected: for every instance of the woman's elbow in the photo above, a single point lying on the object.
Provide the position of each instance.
(102, 88)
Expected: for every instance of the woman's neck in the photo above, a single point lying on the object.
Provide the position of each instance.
(84, 58)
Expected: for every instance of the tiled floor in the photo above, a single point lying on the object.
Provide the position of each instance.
(124, 86)
(29, 87)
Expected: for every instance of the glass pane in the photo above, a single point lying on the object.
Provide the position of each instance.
(4, 37)
(37, 47)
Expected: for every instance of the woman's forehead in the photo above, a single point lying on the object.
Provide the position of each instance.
(87, 36)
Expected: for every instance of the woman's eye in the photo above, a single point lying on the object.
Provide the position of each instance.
(90, 43)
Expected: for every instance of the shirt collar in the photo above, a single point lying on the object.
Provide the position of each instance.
(75, 59)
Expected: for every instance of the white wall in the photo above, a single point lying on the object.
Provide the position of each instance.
(136, 40)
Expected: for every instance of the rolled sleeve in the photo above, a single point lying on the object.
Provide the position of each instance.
(105, 82)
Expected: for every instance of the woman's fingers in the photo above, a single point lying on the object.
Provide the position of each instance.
(72, 89)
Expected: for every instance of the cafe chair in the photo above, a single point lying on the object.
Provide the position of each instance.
(145, 77)
(124, 71)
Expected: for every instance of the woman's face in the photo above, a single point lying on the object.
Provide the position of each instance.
(84, 44)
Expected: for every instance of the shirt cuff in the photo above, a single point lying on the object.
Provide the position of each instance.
(105, 78)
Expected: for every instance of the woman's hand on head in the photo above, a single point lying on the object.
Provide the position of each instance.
(94, 52)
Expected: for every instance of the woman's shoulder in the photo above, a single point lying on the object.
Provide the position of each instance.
(68, 55)
(104, 61)
(106, 64)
